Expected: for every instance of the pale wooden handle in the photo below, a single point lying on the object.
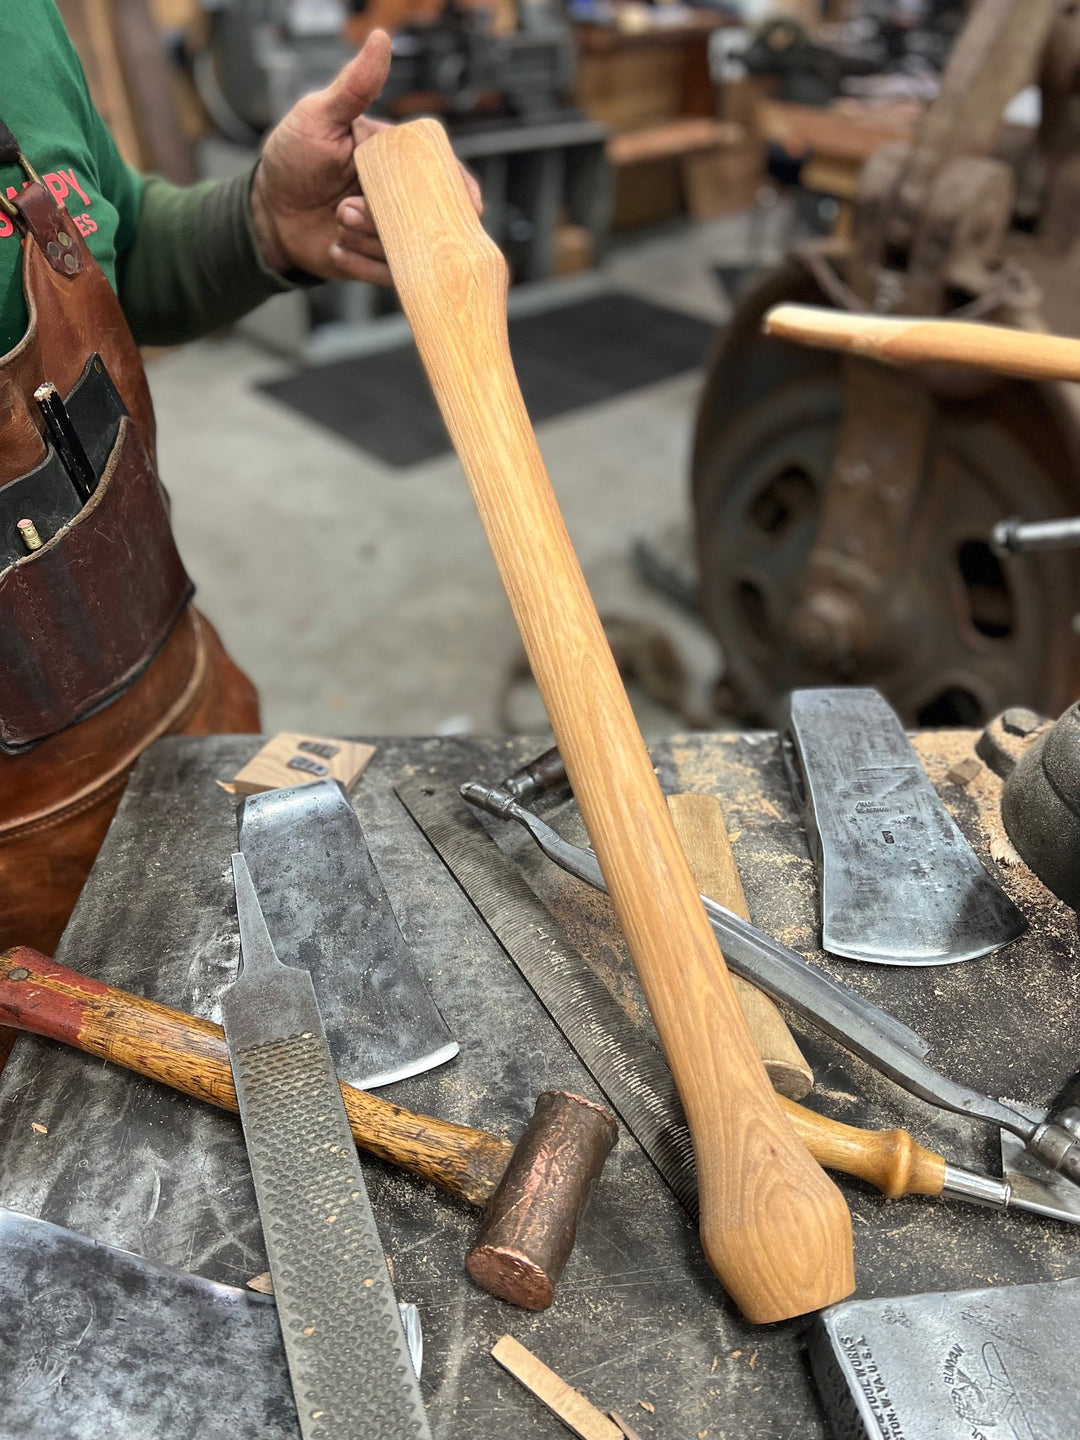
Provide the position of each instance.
(774, 1228)
(916, 342)
(699, 824)
(888, 1159)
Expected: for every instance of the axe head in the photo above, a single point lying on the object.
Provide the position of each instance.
(328, 913)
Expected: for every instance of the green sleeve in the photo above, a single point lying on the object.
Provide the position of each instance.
(192, 264)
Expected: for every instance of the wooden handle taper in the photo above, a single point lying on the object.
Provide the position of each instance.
(900, 341)
(774, 1228)
(699, 824)
(188, 1054)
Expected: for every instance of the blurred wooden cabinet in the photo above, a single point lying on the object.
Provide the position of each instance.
(669, 150)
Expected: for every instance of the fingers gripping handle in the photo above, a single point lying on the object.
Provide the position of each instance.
(774, 1228)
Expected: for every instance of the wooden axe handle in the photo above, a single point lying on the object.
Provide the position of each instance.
(190, 1055)
(773, 1226)
(899, 341)
(699, 824)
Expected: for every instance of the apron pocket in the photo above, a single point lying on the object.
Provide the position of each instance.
(81, 618)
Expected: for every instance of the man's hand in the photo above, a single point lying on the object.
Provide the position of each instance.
(305, 199)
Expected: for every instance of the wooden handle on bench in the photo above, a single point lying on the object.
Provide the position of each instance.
(702, 831)
(900, 341)
(774, 1227)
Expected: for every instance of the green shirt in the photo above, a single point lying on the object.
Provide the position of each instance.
(183, 259)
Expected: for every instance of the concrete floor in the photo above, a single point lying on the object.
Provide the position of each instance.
(363, 600)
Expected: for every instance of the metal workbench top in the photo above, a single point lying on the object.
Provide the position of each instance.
(639, 1323)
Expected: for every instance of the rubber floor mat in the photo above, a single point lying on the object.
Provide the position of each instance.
(566, 358)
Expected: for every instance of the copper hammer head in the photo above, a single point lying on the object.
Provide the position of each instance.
(531, 1220)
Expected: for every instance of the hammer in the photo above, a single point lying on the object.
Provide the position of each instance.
(534, 1192)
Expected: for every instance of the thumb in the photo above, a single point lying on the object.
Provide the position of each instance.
(358, 83)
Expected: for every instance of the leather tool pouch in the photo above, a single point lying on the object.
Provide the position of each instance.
(83, 616)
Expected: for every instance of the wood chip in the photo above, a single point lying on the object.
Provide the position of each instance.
(262, 1283)
(41, 1129)
(964, 771)
(572, 1408)
(1002, 851)
(646, 1405)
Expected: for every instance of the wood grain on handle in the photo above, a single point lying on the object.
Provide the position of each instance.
(916, 342)
(190, 1055)
(774, 1228)
(45, 998)
(699, 824)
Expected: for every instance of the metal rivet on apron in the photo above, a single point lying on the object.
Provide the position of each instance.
(65, 239)
(53, 249)
(71, 262)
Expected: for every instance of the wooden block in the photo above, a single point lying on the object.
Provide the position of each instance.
(276, 765)
(579, 1414)
(574, 249)
(673, 139)
(699, 821)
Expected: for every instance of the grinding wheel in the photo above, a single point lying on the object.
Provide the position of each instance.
(958, 634)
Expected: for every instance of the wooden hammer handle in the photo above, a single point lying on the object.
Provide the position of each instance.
(699, 824)
(188, 1054)
(773, 1227)
(40, 996)
(898, 341)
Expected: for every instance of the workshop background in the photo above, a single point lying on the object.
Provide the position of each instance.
(644, 166)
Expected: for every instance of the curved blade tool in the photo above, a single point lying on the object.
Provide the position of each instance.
(850, 1019)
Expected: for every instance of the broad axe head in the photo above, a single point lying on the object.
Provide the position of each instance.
(531, 1220)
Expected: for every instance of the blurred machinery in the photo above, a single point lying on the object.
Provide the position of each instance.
(844, 511)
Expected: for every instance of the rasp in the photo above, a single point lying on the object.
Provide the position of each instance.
(900, 885)
(630, 1071)
(848, 1017)
(344, 1342)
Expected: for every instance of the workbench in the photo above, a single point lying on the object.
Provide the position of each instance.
(638, 1322)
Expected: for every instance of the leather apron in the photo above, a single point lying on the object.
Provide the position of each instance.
(100, 650)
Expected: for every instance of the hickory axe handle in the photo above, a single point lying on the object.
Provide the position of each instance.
(190, 1055)
(773, 1226)
(900, 341)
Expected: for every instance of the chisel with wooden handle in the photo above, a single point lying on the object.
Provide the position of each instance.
(774, 1228)
(42, 997)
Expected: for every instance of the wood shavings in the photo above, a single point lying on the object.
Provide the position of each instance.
(41, 1129)
(647, 1405)
(262, 1284)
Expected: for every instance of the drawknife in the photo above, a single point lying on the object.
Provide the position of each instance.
(327, 912)
(900, 885)
(623, 1061)
(873, 1034)
(344, 1341)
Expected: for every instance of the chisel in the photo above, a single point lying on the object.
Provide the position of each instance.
(631, 1071)
(873, 1034)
